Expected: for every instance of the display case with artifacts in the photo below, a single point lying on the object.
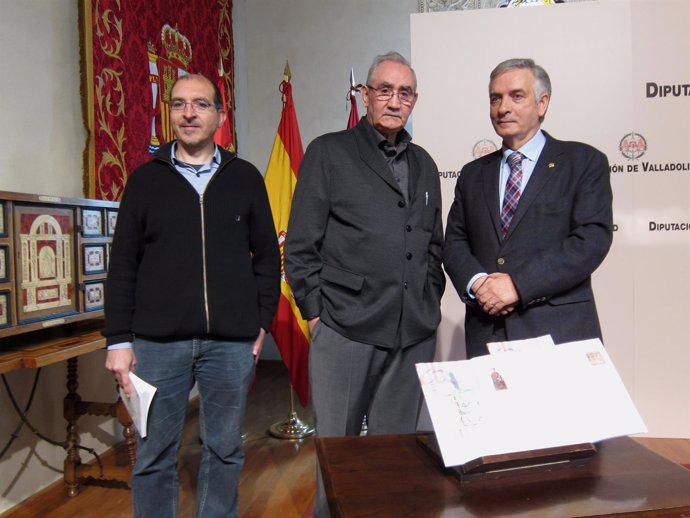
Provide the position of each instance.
(53, 260)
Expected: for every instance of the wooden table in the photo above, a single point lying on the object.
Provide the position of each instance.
(67, 343)
(394, 476)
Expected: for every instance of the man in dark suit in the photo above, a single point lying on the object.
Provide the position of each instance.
(525, 233)
(363, 259)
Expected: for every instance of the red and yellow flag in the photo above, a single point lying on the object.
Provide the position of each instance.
(289, 330)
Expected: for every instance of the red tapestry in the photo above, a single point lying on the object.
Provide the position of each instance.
(132, 52)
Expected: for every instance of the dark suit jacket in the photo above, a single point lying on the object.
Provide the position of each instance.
(560, 233)
(359, 255)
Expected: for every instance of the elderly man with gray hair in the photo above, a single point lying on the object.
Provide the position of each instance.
(363, 258)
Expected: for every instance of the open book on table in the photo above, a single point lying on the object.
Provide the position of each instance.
(531, 397)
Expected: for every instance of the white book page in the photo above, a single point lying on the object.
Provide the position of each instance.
(533, 399)
(529, 344)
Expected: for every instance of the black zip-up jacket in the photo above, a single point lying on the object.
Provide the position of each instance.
(184, 266)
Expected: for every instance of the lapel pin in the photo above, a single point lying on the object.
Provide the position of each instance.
(551, 165)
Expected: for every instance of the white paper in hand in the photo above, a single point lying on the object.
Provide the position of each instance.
(138, 404)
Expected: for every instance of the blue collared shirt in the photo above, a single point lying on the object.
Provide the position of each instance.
(198, 177)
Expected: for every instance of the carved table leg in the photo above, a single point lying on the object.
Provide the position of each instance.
(71, 414)
(128, 433)
(74, 408)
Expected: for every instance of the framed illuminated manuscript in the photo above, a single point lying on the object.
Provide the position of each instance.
(91, 222)
(5, 317)
(46, 279)
(110, 221)
(94, 259)
(94, 295)
(4, 263)
(3, 219)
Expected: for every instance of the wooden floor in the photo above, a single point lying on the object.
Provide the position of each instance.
(278, 478)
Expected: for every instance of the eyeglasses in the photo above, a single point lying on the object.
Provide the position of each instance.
(385, 93)
(198, 105)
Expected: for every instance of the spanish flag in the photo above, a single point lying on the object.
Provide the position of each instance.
(289, 330)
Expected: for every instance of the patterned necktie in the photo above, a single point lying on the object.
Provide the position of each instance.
(512, 194)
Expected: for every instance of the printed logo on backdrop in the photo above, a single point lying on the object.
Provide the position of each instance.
(633, 146)
(483, 147)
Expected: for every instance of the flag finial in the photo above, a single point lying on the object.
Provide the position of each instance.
(352, 97)
(287, 75)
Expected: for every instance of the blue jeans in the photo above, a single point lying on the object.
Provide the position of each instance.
(223, 372)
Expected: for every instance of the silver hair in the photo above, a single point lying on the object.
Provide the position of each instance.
(396, 57)
(542, 82)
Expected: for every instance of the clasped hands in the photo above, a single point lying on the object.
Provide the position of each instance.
(496, 294)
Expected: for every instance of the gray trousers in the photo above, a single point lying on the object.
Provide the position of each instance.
(350, 380)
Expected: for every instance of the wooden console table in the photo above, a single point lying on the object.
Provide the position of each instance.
(67, 343)
(394, 476)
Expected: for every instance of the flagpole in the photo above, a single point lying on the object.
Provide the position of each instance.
(293, 427)
(289, 330)
(352, 99)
